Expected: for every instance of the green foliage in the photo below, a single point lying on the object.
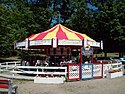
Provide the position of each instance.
(18, 21)
(21, 18)
(110, 25)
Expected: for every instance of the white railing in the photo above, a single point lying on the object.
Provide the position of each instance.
(35, 70)
(116, 66)
(6, 65)
(11, 63)
(113, 66)
(54, 71)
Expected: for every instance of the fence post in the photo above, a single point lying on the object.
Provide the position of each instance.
(123, 69)
(6, 65)
(13, 69)
(65, 73)
(0, 67)
(102, 69)
(37, 72)
(15, 63)
(13, 72)
(118, 64)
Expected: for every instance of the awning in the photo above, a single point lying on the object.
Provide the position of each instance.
(60, 32)
(58, 35)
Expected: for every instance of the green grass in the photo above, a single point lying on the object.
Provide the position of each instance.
(113, 54)
(108, 55)
(14, 58)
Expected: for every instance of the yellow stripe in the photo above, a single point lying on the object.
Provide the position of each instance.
(51, 28)
(33, 37)
(52, 34)
(70, 35)
(87, 37)
(84, 35)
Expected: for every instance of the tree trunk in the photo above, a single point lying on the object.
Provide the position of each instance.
(105, 54)
(121, 54)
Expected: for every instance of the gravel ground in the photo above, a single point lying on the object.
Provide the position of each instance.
(94, 86)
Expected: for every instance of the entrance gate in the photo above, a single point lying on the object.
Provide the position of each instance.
(85, 71)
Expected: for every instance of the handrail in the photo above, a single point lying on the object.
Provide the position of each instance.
(34, 70)
(11, 63)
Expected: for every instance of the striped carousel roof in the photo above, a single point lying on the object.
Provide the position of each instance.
(61, 32)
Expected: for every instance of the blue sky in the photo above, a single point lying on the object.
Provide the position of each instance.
(91, 6)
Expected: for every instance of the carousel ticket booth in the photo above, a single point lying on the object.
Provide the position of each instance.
(87, 54)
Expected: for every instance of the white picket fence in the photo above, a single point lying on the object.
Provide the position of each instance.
(11, 63)
(14, 68)
(113, 66)
(33, 70)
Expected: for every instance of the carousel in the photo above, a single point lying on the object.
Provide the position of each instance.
(60, 45)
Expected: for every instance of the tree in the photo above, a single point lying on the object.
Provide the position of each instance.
(110, 25)
(21, 18)
(14, 21)
(42, 14)
(83, 18)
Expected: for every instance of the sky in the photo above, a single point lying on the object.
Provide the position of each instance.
(91, 6)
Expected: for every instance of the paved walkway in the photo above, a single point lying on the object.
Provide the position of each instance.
(95, 86)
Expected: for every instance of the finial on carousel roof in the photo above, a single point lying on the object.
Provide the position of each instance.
(59, 17)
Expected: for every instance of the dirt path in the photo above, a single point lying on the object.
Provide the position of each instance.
(95, 86)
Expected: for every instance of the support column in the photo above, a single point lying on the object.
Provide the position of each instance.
(92, 55)
(81, 55)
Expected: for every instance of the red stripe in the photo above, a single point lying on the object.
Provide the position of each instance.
(43, 34)
(80, 36)
(60, 34)
(40, 36)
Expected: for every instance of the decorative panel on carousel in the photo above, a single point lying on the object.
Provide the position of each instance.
(86, 71)
(98, 70)
(73, 71)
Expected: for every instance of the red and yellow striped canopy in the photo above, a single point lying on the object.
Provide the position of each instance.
(61, 32)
